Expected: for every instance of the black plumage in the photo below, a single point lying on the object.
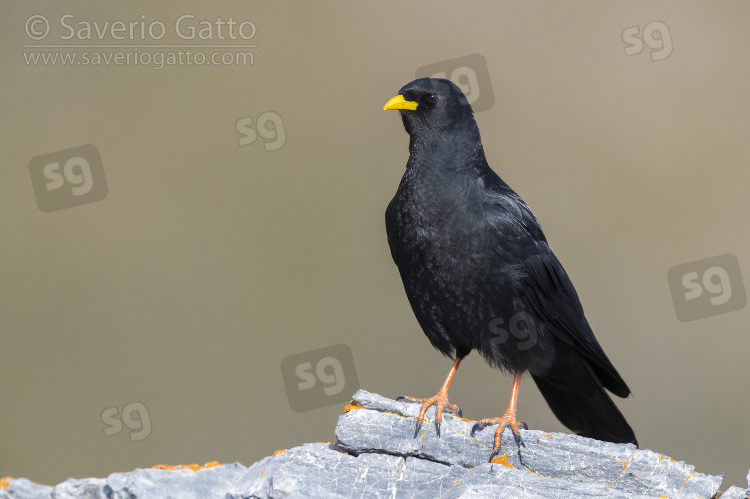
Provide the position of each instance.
(479, 274)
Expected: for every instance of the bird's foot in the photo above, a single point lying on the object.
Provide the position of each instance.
(441, 403)
(508, 420)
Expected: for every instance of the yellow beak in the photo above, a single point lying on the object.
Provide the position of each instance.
(399, 102)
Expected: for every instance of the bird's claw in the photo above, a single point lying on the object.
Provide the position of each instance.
(495, 453)
(519, 425)
(505, 422)
(449, 408)
(416, 430)
(479, 425)
(441, 405)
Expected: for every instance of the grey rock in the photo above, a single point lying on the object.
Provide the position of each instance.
(736, 492)
(21, 488)
(181, 483)
(378, 455)
(91, 488)
(320, 470)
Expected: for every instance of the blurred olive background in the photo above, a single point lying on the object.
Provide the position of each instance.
(209, 262)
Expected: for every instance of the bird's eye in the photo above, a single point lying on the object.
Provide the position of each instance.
(431, 98)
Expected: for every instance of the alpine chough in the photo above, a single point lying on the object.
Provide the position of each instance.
(479, 274)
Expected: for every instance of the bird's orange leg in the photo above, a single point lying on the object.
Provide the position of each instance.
(440, 400)
(508, 420)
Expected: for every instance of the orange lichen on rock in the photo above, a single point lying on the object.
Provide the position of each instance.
(624, 466)
(194, 467)
(686, 480)
(503, 460)
(5, 482)
(276, 453)
(351, 405)
(397, 414)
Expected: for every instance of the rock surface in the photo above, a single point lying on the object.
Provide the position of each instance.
(378, 455)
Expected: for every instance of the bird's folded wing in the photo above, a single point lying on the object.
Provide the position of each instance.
(546, 288)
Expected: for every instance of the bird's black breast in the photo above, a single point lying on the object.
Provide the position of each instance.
(458, 275)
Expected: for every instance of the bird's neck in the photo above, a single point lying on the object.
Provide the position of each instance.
(459, 151)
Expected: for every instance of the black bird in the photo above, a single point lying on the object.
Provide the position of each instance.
(480, 275)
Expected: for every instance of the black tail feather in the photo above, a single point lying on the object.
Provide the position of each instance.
(578, 399)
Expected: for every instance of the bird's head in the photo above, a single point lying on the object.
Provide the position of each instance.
(432, 104)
